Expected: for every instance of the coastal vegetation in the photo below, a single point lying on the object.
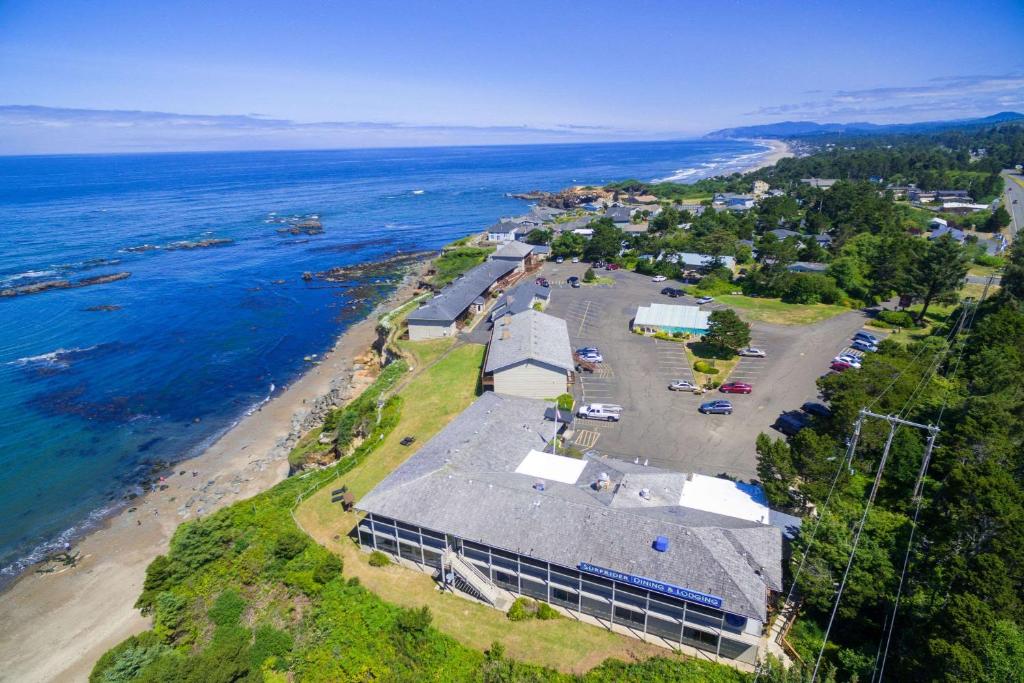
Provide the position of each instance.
(454, 262)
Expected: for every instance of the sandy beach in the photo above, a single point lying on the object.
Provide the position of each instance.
(779, 150)
(57, 625)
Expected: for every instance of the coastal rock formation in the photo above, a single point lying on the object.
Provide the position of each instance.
(387, 266)
(566, 199)
(46, 285)
(297, 225)
(104, 307)
(200, 244)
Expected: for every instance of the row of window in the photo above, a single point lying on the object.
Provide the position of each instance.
(625, 605)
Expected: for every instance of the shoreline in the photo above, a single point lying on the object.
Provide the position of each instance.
(83, 611)
(778, 150)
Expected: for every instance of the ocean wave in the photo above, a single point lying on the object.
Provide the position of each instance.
(27, 275)
(59, 359)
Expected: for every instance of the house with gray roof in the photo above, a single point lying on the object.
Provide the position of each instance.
(783, 233)
(620, 214)
(438, 317)
(529, 355)
(521, 298)
(516, 253)
(807, 267)
(686, 559)
(508, 231)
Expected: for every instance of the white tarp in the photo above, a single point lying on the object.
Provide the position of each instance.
(551, 467)
(724, 497)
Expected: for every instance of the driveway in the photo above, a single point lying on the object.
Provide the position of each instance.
(662, 427)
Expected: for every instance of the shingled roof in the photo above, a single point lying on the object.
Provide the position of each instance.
(529, 336)
(464, 482)
(456, 297)
(513, 250)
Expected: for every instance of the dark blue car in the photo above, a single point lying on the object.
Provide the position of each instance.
(716, 408)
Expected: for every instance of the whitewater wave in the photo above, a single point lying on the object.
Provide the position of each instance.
(61, 358)
(717, 166)
(418, 191)
(27, 275)
(266, 399)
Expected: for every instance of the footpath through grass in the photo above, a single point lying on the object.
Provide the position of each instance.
(429, 402)
(777, 312)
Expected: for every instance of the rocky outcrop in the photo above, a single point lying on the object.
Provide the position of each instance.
(200, 244)
(566, 199)
(359, 271)
(46, 285)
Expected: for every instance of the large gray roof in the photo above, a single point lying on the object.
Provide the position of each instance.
(463, 481)
(456, 297)
(513, 250)
(529, 336)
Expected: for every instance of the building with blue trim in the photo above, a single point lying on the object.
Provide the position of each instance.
(684, 560)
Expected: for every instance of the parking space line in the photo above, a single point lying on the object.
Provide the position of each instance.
(586, 438)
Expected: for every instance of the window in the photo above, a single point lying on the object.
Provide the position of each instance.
(507, 581)
(695, 614)
(589, 586)
(365, 538)
(474, 554)
(410, 552)
(558, 576)
(381, 528)
(630, 597)
(565, 598)
(670, 630)
(734, 649)
(628, 617)
(432, 534)
(409, 536)
(386, 544)
(502, 561)
(431, 559)
(665, 609)
(433, 542)
(531, 569)
(700, 639)
(596, 607)
(533, 588)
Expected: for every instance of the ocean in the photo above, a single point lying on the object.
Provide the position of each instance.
(100, 384)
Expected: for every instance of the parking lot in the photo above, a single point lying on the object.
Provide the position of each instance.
(663, 427)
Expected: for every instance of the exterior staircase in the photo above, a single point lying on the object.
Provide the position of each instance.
(472, 581)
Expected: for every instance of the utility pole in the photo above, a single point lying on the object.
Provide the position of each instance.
(894, 424)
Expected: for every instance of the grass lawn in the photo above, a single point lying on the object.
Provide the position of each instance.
(431, 400)
(983, 271)
(424, 353)
(599, 280)
(776, 312)
(455, 262)
(701, 351)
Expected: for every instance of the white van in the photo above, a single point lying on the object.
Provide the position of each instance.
(600, 411)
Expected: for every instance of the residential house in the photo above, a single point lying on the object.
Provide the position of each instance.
(529, 356)
(520, 298)
(820, 183)
(807, 267)
(516, 253)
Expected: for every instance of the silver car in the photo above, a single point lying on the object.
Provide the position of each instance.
(682, 385)
(751, 352)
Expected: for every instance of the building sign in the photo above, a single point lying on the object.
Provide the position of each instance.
(651, 584)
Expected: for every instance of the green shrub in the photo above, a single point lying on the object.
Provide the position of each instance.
(124, 662)
(678, 335)
(521, 610)
(565, 402)
(227, 609)
(590, 275)
(705, 367)
(546, 612)
(170, 611)
(379, 559)
(289, 544)
(896, 318)
(328, 569)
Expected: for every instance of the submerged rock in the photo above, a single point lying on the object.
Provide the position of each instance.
(104, 307)
(46, 285)
(200, 244)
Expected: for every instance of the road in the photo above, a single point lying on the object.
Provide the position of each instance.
(1014, 191)
(662, 427)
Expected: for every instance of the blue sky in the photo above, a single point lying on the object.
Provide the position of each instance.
(253, 74)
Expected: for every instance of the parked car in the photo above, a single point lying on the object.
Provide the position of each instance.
(608, 412)
(588, 349)
(840, 366)
(870, 338)
(560, 260)
(862, 345)
(716, 408)
(575, 259)
(791, 422)
(592, 357)
(751, 352)
(658, 278)
(852, 361)
(543, 282)
(705, 300)
(735, 388)
(817, 409)
(612, 266)
(573, 282)
(683, 385)
(599, 264)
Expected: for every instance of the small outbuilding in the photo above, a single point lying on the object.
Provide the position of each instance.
(529, 356)
(670, 319)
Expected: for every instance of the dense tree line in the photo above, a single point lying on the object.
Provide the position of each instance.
(961, 615)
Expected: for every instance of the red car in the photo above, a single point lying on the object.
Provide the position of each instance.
(612, 266)
(839, 366)
(735, 388)
(543, 282)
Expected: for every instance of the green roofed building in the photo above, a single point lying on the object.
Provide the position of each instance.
(669, 319)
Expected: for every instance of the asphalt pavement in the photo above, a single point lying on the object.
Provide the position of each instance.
(663, 427)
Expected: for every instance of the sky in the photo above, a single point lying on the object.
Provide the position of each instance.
(109, 75)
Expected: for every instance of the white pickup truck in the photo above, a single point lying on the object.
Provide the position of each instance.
(600, 411)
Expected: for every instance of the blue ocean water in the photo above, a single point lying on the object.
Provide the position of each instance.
(90, 400)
